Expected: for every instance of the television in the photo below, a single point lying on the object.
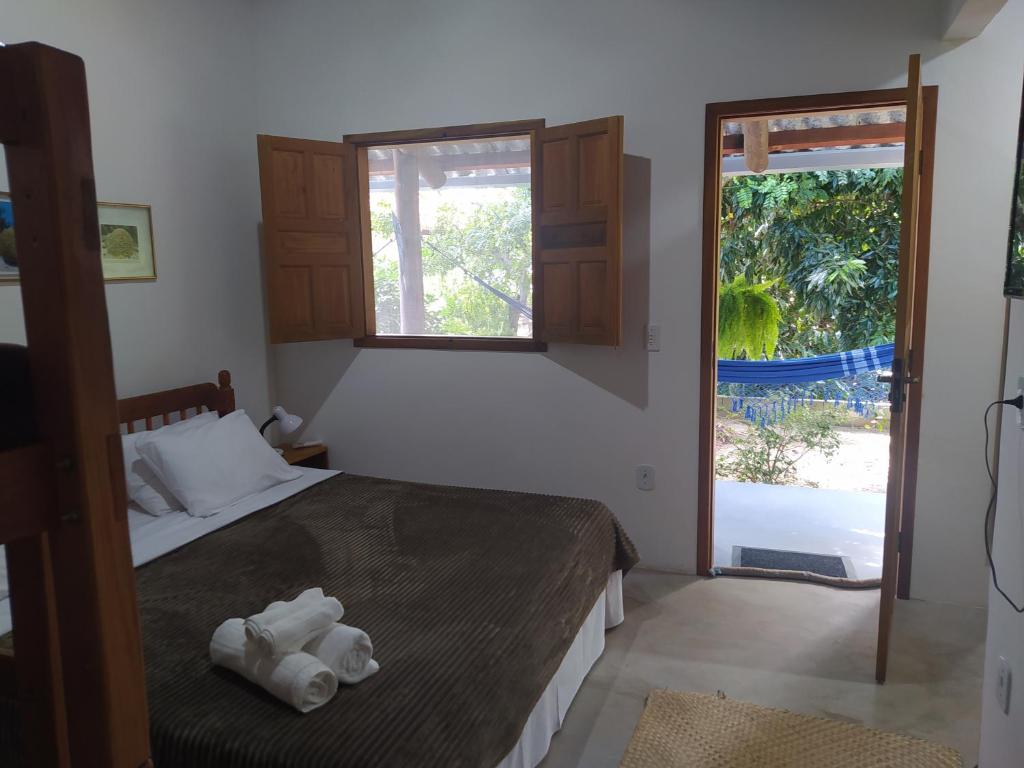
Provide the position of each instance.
(1014, 283)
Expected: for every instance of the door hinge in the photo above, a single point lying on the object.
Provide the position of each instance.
(899, 542)
(920, 162)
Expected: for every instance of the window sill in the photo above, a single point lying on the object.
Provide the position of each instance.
(478, 343)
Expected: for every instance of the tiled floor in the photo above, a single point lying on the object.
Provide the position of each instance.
(799, 646)
(819, 520)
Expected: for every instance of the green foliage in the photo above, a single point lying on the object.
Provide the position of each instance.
(748, 319)
(1015, 263)
(7, 248)
(831, 239)
(119, 244)
(769, 454)
(490, 240)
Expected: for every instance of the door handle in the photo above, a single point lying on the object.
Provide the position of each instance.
(885, 377)
(896, 378)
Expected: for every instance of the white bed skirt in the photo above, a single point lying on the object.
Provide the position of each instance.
(547, 716)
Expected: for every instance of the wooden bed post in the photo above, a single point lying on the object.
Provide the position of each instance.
(226, 393)
(72, 583)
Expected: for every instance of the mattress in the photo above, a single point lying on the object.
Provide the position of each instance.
(152, 536)
(465, 592)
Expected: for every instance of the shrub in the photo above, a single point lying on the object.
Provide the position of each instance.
(119, 243)
(769, 454)
(7, 249)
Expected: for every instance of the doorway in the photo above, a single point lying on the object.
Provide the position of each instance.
(786, 133)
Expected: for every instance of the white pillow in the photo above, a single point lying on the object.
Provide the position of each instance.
(216, 464)
(144, 487)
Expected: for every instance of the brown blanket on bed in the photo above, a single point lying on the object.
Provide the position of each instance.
(471, 597)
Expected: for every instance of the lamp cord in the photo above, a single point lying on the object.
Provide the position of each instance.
(990, 512)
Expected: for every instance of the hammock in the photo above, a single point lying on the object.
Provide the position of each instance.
(820, 368)
(765, 391)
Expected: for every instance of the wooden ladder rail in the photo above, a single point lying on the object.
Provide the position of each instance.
(77, 662)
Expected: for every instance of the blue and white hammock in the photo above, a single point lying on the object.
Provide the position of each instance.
(766, 391)
(799, 370)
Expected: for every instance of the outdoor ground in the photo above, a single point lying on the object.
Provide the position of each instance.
(861, 464)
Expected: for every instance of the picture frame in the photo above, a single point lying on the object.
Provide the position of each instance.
(8, 256)
(126, 242)
(127, 247)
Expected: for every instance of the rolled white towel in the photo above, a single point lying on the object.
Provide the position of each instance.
(279, 609)
(346, 651)
(287, 626)
(299, 679)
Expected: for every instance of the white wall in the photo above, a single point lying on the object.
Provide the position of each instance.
(179, 90)
(170, 96)
(577, 421)
(979, 109)
(1002, 736)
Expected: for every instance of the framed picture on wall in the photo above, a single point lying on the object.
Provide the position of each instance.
(8, 257)
(126, 242)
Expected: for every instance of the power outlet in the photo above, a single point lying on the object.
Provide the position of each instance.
(645, 477)
(653, 341)
(1020, 412)
(1004, 685)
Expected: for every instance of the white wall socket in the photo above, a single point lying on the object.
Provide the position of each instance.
(1020, 391)
(1004, 685)
(653, 341)
(645, 477)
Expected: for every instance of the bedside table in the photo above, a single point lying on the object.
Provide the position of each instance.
(314, 456)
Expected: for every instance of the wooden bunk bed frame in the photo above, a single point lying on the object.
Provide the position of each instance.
(76, 669)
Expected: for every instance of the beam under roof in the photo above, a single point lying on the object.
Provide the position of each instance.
(466, 161)
(821, 160)
(813, 138)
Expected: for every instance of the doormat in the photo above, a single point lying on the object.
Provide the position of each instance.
(781, 560)
(830, 570)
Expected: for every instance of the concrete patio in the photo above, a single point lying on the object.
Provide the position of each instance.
(819, 520)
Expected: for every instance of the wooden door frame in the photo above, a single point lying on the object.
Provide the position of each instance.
(716, 114)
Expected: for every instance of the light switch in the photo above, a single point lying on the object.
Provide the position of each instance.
(1004, 684)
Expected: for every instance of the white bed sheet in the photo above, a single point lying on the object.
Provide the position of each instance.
(549, 713)
(155, 536)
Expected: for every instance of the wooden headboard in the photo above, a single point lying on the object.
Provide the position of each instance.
(158, 409)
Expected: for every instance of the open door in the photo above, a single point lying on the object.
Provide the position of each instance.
(904, 372)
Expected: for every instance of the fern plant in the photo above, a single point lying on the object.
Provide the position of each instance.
(748, 319)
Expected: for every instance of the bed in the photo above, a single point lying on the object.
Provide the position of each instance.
(486, 609)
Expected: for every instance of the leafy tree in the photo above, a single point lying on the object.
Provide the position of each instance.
(385, 270)
(830, 240)
(769, 454)
(469, 249)
(1015, 263)
(8, 251)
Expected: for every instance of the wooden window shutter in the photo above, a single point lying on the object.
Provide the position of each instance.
(577, 232)
(311, 235)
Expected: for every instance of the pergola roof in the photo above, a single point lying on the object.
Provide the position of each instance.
(495, 162)
(835, 140)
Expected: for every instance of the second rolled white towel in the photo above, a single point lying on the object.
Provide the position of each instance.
(298, 678)
(287, 626)
(346, 651)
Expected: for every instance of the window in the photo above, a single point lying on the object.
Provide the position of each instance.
(451, 227)
(502, 236)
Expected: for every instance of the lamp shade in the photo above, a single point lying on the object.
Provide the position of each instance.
(287, 422)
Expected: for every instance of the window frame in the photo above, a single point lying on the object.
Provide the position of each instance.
(361, 142)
